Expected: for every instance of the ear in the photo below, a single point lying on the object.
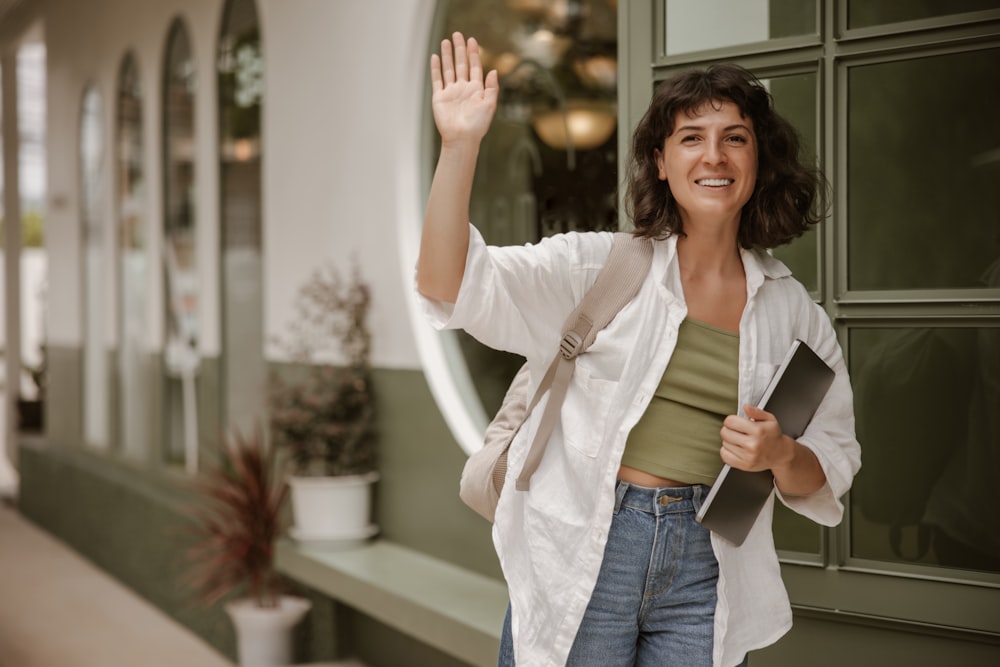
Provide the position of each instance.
(660, 165)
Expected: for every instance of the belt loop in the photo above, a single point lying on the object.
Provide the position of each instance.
(698, 497)
(620, 494)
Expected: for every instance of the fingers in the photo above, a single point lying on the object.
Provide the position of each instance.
(459, 61)
(492, 86)
(738, 451)
(757, 414)
(461, 58)
(437, 83)
(447, 62)
(475, 64)
(754, 442)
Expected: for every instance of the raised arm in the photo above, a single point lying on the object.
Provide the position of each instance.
(463, 103)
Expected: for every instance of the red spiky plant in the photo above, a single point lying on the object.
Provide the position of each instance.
(236, 519)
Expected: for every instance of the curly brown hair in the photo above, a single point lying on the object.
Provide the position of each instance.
(783, 203)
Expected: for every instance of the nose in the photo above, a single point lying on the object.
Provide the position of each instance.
(715, 152)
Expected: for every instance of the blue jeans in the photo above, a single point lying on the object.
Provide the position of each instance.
(654, 601)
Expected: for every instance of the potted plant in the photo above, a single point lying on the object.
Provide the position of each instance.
(322, 415)
(236, 518)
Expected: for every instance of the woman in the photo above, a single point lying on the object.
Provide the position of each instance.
(604, 561)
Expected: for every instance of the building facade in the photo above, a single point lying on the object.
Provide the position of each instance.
(204, 157)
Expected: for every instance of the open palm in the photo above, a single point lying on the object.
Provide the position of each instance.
(463, 101)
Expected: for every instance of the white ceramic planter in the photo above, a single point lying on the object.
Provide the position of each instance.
(264, 634)
(333, 511)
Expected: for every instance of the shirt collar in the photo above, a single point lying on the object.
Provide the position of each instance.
(758, 263)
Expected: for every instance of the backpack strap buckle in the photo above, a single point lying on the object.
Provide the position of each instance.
(571, 345)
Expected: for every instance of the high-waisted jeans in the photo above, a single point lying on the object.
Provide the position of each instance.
(654, 601)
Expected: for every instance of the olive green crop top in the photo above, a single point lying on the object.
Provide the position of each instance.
(678, 435)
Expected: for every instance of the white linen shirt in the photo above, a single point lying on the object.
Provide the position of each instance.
(550, 540)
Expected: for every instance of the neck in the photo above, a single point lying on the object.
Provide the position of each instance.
(709, 251)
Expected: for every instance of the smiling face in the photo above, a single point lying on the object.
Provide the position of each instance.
(710, 163)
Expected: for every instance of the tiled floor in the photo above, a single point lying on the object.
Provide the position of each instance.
(56, 608)
(59, 610)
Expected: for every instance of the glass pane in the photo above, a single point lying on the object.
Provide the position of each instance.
(923, 167)
(863, 13)
(31, 115)
(181, 257)
(93, 214)
(132, 392)
(241, 89)
(928, 423)
(794, 532)
(558, 67)
(697, 25)
(795, 98)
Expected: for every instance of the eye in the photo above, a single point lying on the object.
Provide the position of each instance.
(689, 138)
(738, 139)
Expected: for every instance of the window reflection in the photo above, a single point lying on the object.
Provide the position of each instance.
(181, 358)
(696, 25)
(864, 13)
(94, 220)
(923, 168)
(241, 90)
(795, 98)
(549, 162)
(131, 191)
(926, 402)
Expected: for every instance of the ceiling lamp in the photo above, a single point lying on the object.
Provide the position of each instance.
(584, 125)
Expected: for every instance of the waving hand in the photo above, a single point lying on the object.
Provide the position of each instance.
(463, 100)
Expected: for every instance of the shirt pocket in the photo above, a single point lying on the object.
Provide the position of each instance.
(585, 413)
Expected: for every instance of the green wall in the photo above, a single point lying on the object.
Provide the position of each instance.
(815, 642)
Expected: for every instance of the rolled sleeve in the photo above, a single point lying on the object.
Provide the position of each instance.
(830, 435)
(445, 315)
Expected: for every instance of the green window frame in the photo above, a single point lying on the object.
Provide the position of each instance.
(825, 576)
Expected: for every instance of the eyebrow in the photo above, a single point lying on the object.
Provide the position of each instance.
(701, 128)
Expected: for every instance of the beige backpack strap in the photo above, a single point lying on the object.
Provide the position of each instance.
(617, 283)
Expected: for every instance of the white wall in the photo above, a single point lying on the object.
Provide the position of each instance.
(342, 113)
(342, 117)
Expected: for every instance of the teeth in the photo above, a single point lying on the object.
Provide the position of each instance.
(715, 182)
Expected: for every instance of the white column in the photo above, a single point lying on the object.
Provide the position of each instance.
(12, 269)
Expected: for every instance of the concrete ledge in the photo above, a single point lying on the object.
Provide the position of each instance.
(445, 606)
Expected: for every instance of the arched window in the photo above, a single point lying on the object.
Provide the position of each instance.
(180, 251)
(241, 90)
(549, 161)
(133, 268)
(93, 216)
